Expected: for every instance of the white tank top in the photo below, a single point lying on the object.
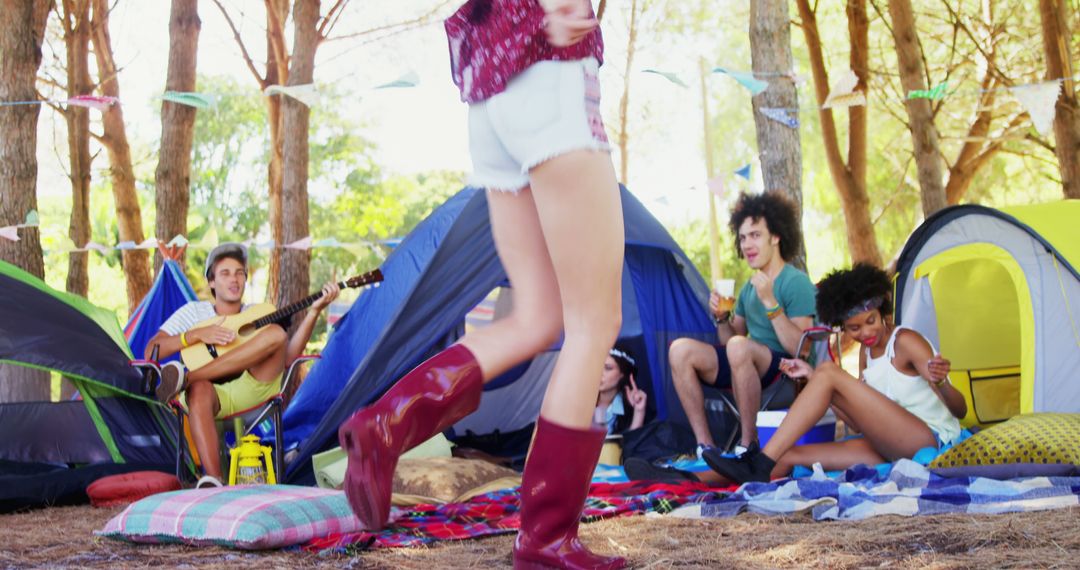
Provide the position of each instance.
(913, 393)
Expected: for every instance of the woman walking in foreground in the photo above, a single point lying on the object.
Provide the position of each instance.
(528, 70)
(901, 403)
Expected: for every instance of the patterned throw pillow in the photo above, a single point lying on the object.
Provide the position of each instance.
(446, 479)
(250, 517)
(1043, 444)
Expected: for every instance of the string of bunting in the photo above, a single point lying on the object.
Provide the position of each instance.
(1037, 98)
(207, 242)
(308, 94)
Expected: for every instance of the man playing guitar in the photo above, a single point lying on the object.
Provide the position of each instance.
(238, 379)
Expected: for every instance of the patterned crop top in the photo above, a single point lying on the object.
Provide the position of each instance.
(491, 41)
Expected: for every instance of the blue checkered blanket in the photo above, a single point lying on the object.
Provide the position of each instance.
(908, 488)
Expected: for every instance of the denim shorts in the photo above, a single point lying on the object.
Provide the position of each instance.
(550, 109)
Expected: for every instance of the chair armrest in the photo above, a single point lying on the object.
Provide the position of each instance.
(288, 384)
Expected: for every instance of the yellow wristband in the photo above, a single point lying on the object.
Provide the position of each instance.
(775, 313)
(183, 339)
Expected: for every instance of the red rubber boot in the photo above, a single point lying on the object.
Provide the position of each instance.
(553, 490)
(426, 401)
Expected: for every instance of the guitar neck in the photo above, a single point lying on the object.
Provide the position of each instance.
(289, 310)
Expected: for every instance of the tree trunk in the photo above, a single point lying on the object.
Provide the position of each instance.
(172, 179)
(624, 101)
(76, 24)
(778, 144)
(924, 134)
(277, 73)
(294, 280)
(136, 262)
(1056, 33)
(850, 178)
(22, 26)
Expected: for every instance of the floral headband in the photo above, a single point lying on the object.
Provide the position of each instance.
(620, 354)
(867, 305)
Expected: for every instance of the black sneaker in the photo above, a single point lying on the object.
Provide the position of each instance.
(638, 469)
(750, 466)
(171, 382)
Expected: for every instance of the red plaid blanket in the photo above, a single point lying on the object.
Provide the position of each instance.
(497, 513)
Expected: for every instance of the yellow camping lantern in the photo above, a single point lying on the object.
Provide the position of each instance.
(251, 463)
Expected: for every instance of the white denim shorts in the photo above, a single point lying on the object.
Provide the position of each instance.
(551, 108)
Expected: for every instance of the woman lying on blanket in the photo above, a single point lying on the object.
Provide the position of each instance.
(620, 404)
(902, 401)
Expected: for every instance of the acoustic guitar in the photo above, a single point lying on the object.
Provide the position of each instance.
(247, 322)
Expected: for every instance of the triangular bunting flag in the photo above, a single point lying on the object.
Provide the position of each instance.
(32, 219)
(1039, 100)
(95, 246)
(780, 116)
(10, 232)
(938, 92)
(843, 93)
(744, 172)
(126, 245)
(746, 79)
(716, 186)
(197, 100)
(178, 241)
(301, 244)
(268, 244)
(667, 75)
(327, 242)
(148, 243)
(101, 103)
(307, 93)
(209, 240)
(409, 79)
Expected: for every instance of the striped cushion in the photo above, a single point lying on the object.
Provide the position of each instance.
(249, 517)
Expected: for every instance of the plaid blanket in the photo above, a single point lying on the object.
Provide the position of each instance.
(497, 513)
(906, 489)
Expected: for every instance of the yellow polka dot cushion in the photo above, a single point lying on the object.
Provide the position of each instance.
(1043, 444)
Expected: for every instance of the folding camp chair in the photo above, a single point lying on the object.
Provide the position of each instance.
(816, 345)
(243, 422)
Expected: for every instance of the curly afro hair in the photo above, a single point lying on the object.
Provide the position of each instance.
(843, 289)
(780, 215)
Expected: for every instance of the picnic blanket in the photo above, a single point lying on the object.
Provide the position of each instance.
(908, 488)
(497, 513)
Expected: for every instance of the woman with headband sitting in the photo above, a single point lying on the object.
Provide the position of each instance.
(621, 404)
(901, 402)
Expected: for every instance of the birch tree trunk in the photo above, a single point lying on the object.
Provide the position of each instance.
(924, 134)
(22, 27)
(849, 178)
(1059, 63)
(136, 262)
(778, 145)
(172, 180)
(76, 25)
(294, 276)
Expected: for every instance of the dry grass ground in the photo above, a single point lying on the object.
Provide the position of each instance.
(63, 538)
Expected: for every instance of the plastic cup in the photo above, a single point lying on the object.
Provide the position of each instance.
(724, 287)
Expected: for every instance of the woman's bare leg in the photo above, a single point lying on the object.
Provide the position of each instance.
(580, 211)
(535, 321)
(892, 431)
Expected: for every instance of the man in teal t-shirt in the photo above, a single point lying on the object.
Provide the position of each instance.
(771, 313)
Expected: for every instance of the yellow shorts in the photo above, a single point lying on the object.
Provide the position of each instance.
(241, 394)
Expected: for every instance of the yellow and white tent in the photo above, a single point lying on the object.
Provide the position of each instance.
(999, 293)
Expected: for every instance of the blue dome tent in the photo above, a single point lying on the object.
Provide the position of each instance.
(442, 270)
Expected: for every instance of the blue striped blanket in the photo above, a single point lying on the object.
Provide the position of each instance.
(908, 488)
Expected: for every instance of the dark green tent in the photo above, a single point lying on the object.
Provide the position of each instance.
(112, 422)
